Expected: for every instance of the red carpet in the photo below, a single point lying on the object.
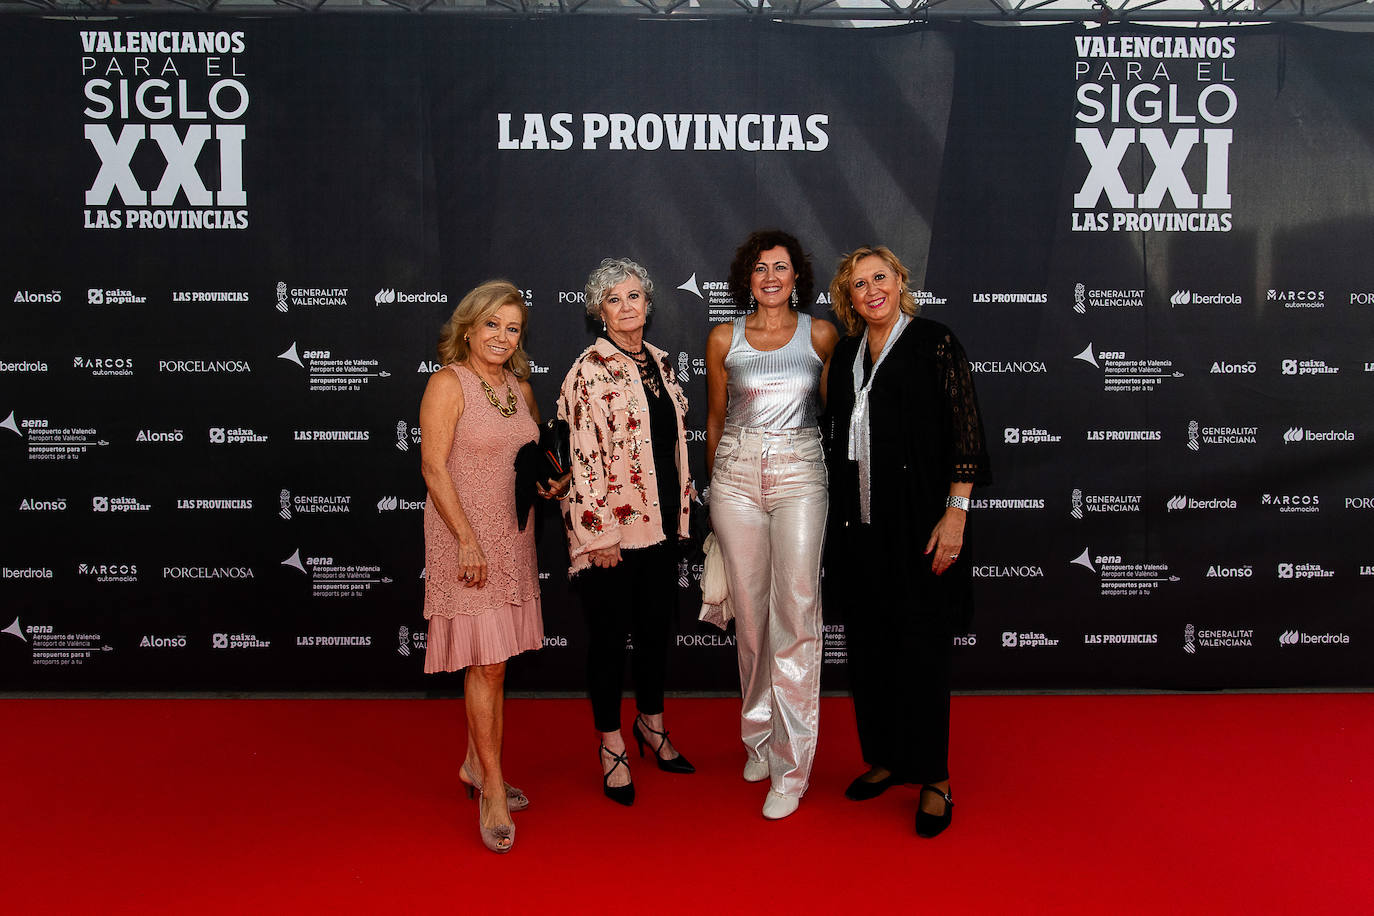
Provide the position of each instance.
(1116, 804)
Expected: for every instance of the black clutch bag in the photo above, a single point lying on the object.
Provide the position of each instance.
(539, 462)
(553, 445)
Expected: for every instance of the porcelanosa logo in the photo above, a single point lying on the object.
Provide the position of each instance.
(1008, 367)
(204, 366)
(208, 573)
(168, 99)
(391, 296)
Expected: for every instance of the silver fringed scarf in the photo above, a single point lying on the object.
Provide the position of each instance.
(858, 421)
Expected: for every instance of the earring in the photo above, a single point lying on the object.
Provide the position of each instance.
(794, 297)
(752, 302)
(603, 325)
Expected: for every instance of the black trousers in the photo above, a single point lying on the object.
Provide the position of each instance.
(637, 599)
(900, 657)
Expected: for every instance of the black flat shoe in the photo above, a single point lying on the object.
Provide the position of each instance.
(862, 790)
(931, 825)
(678, 764)
(621, 795)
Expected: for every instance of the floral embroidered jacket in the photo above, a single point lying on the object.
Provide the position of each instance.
(614, 497)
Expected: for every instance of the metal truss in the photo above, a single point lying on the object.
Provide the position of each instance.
(855, 13)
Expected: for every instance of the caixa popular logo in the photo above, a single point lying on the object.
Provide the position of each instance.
(189, 107)
(118, 504)
(1304, 571)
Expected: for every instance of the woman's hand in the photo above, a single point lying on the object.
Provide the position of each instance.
(472, 563)
(606, 557)
(946, 540)
(555, 489)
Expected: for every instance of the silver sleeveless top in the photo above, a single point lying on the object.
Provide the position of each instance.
(777, 389)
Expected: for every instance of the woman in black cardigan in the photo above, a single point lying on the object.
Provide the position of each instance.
(907, 447)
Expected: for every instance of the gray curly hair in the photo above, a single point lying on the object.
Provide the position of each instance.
(610, 273)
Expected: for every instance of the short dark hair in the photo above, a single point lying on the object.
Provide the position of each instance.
(747, 255)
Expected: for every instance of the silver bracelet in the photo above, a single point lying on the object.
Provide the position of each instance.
(957, 502)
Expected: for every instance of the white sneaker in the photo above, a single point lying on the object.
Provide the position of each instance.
(755, 770)
(776, 807)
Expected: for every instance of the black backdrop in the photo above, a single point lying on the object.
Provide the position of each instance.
(1154, 250)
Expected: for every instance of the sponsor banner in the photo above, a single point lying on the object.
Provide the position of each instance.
(195, 356)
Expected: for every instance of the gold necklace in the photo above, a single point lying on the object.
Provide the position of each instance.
(509, 409)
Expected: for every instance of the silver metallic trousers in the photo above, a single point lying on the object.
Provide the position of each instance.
(768, 504)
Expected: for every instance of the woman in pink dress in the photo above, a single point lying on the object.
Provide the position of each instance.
(481, 574)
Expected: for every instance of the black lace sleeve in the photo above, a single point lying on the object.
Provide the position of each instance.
(967, 445)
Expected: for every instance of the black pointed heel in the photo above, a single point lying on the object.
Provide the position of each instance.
(931, 825)
(863, 790)
(678, 764)
(621, 795)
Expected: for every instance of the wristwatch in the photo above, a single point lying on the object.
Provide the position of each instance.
(957, 502)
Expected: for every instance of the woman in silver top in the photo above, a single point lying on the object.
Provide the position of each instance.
(765, 378)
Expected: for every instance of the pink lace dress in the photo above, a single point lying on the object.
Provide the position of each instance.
(483, 626)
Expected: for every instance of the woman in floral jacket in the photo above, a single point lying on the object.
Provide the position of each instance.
(626, 510)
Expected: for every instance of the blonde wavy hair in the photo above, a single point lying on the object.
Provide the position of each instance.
(477, 306)
(843, 306)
